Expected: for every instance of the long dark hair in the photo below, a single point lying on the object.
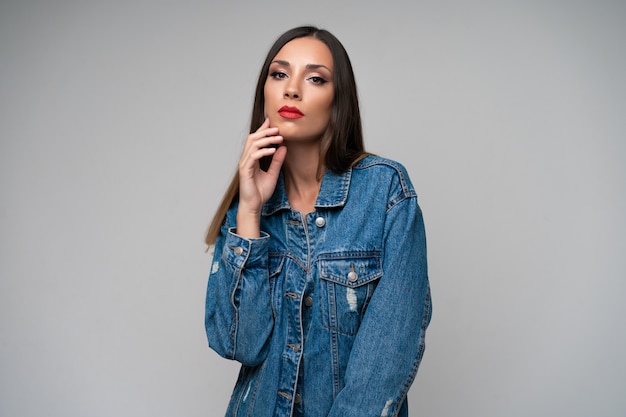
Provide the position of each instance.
(342, 143)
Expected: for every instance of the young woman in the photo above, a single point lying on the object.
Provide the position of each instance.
(318, 284)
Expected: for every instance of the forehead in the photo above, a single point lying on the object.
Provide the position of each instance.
(305, 51)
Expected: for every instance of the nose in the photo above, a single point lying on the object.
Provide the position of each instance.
(292, 90)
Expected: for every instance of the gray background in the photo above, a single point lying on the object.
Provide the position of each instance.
(121, 123)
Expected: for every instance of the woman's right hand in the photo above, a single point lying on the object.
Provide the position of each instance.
(255, 185)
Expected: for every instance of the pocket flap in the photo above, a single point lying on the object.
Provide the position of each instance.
(351, 269)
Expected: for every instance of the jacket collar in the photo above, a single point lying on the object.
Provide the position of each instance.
(333, 192)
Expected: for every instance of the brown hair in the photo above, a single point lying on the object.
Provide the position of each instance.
(342, 143)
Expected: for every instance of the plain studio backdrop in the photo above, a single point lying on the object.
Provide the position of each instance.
(121, 124)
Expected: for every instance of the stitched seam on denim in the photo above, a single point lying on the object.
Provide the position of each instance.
(396, 203)
(334, 346)
(349, 254)
(235, 323)
(395, 165)
(244, 379)
(332, 322)
(338, 200)
(257, 382)
(406, 190)
(420, 353)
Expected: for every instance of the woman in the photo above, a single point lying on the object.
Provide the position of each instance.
(318, 284)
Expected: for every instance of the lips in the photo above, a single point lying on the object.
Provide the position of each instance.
(289, 112)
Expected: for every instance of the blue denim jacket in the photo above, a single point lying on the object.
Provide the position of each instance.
(326, 311)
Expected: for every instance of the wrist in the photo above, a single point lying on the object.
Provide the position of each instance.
(248, 224)
(251, 210)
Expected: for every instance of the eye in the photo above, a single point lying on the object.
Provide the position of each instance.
(317, 80)
(278, 75)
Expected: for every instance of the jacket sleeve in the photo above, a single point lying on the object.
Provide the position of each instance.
(377, 380)
(238, 314)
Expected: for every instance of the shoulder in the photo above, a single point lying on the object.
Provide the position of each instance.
(382, 178)
(379, 171)
(381, 164)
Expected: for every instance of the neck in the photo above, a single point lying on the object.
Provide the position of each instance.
(302, 175)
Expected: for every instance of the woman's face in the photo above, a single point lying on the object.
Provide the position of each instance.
(299, 89)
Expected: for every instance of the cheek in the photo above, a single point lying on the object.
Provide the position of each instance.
(267, 96)
(328, 107)
(267, 105)
(328, 101)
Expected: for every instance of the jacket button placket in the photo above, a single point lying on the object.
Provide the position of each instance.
(294, 285)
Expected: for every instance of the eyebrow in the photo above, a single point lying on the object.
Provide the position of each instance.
(308, 66)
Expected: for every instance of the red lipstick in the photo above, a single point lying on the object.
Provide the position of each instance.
(289, 112)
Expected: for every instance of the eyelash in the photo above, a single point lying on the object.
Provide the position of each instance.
(318, 80)
(279, 75)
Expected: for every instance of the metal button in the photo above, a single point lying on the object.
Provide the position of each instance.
(297, 398)
(320, 222)
(352, 276)
(308, 301)
(238, 250)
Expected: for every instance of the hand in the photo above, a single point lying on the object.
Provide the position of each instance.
(255, 185)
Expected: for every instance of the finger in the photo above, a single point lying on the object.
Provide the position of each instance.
(265, 124)
(264, 142)
(260, 135)
(277, 161)
(269, 131)
(267, 141)
(249, 160)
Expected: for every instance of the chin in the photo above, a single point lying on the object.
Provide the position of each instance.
(286, 127)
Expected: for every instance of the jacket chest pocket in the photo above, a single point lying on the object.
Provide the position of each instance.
(347, 283)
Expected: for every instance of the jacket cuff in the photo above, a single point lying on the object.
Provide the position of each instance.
(240, 251)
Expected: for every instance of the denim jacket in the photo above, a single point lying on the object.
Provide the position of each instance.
(326, 311)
